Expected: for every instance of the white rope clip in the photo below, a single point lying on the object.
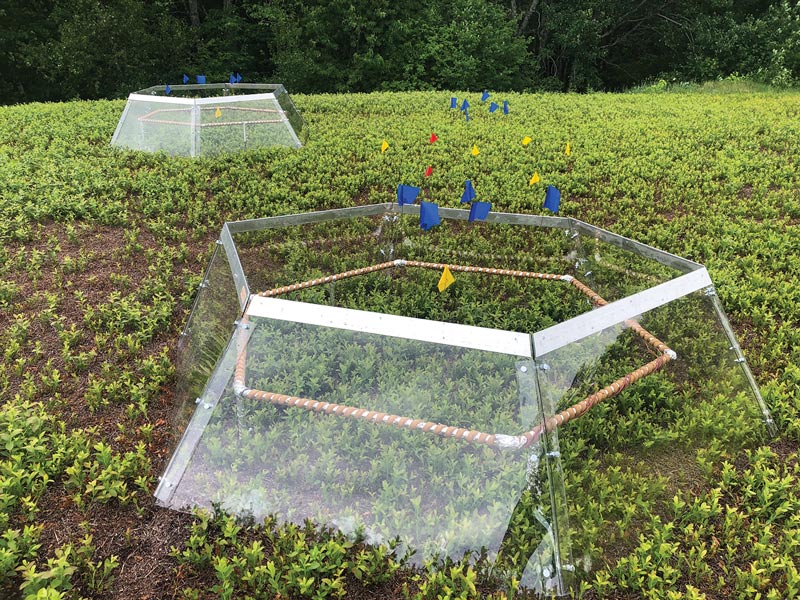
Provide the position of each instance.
(509, 442)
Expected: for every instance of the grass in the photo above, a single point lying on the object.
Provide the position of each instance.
(101, 253)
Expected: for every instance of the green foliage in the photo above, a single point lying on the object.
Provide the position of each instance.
(35, 453)
(285, 561)
(101, 254)
(97, 49)
(346, 46)
(62, 49)
(729, 547)
(68, 562)
(763, 45)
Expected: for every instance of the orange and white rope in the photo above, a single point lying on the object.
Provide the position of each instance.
(476, 437)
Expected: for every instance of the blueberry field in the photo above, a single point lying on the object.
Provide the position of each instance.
(671, 493)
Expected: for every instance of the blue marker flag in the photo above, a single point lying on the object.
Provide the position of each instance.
(232, 78)
(406, 194)
(464, 105)
(479, 211)
(428, 215)
(201, 79)
(493, 107)
(167, 90)
(185, 79)
(485, 96)
(453, 102)
(552, 199)
(238, 78)
(505, 107)
(469, 192)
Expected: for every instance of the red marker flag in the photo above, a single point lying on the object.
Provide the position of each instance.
(433, 138)
(428, 171)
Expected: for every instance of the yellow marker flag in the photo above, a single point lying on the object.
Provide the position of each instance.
(384, 146)
(567, 151)
(534, 179)
(526, 140)
(475, 150)
(218, 113)
(446, 280)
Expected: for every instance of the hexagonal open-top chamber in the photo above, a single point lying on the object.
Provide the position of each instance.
(209, 119)
(323, 375)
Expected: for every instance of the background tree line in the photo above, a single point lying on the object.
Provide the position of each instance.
(62, 49)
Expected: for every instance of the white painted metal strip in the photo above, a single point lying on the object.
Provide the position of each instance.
(436, 332)
(156, 99)
(601, 318)
(243, 98)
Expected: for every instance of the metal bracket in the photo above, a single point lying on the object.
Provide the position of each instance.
(545, 458)
(722, 318)
(205, 408)
(526, 384)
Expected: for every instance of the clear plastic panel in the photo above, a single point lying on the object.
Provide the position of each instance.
(361, 241)
(156, 126)
(290, 255)
(643, 442)
(206, 334)
(206, 91)
(666, 405)
(295, 120)
(190, 123)
(484, 244)
(614, 272)
(442, 496)
(234, 126)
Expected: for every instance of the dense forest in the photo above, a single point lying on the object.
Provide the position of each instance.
(63, 49)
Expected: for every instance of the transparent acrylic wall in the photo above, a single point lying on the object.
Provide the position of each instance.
(614, 272)
(487, 244)
(232, 126)
(282, 256)
(440, 496)
(290, 110)
(645, 442)
(206, 334)
(628, 455)
(278, 257)
(155, 126)
(667, 405)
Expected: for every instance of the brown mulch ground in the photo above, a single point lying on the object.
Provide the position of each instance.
(140, 539)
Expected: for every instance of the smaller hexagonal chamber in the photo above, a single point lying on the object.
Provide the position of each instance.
(209, 119)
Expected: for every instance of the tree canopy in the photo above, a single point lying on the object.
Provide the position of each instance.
(62, 49)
